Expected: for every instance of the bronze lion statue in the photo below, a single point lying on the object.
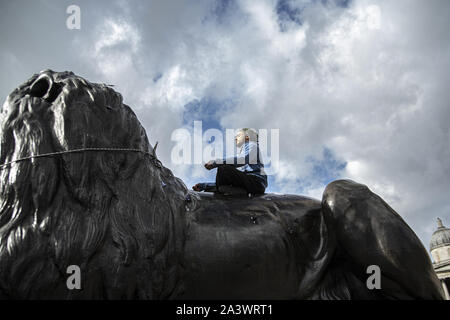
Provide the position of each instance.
(74, 191)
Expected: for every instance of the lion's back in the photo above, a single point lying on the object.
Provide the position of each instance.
(256, 247)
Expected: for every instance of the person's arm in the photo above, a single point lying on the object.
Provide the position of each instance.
(248, 155)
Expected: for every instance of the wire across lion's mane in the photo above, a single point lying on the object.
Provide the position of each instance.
(118, 216)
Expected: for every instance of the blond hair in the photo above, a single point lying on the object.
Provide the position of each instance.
(251, 133)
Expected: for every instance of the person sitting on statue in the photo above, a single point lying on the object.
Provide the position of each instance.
(241, 174)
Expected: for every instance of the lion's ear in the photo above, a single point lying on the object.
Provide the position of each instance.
(154, 149)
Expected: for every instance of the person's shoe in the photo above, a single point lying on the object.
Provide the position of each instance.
(206, 187)
(232, 190)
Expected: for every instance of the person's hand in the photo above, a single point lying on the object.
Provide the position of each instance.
(209, 165)
(196, 187)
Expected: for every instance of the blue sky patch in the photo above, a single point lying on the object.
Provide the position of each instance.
(328, 168)
(288, 13)
(207, 110)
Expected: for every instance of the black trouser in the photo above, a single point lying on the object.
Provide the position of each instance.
(229, 175)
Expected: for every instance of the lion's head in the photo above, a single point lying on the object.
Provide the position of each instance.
(117, 215)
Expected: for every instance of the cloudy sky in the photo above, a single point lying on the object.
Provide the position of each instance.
(358, 89)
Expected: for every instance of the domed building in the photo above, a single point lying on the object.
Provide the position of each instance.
(440, 252)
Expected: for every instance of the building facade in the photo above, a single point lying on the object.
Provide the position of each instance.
(440, 252)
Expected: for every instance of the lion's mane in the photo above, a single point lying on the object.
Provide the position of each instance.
(117, 215)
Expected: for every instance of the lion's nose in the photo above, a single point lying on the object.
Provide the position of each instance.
(45, 88)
